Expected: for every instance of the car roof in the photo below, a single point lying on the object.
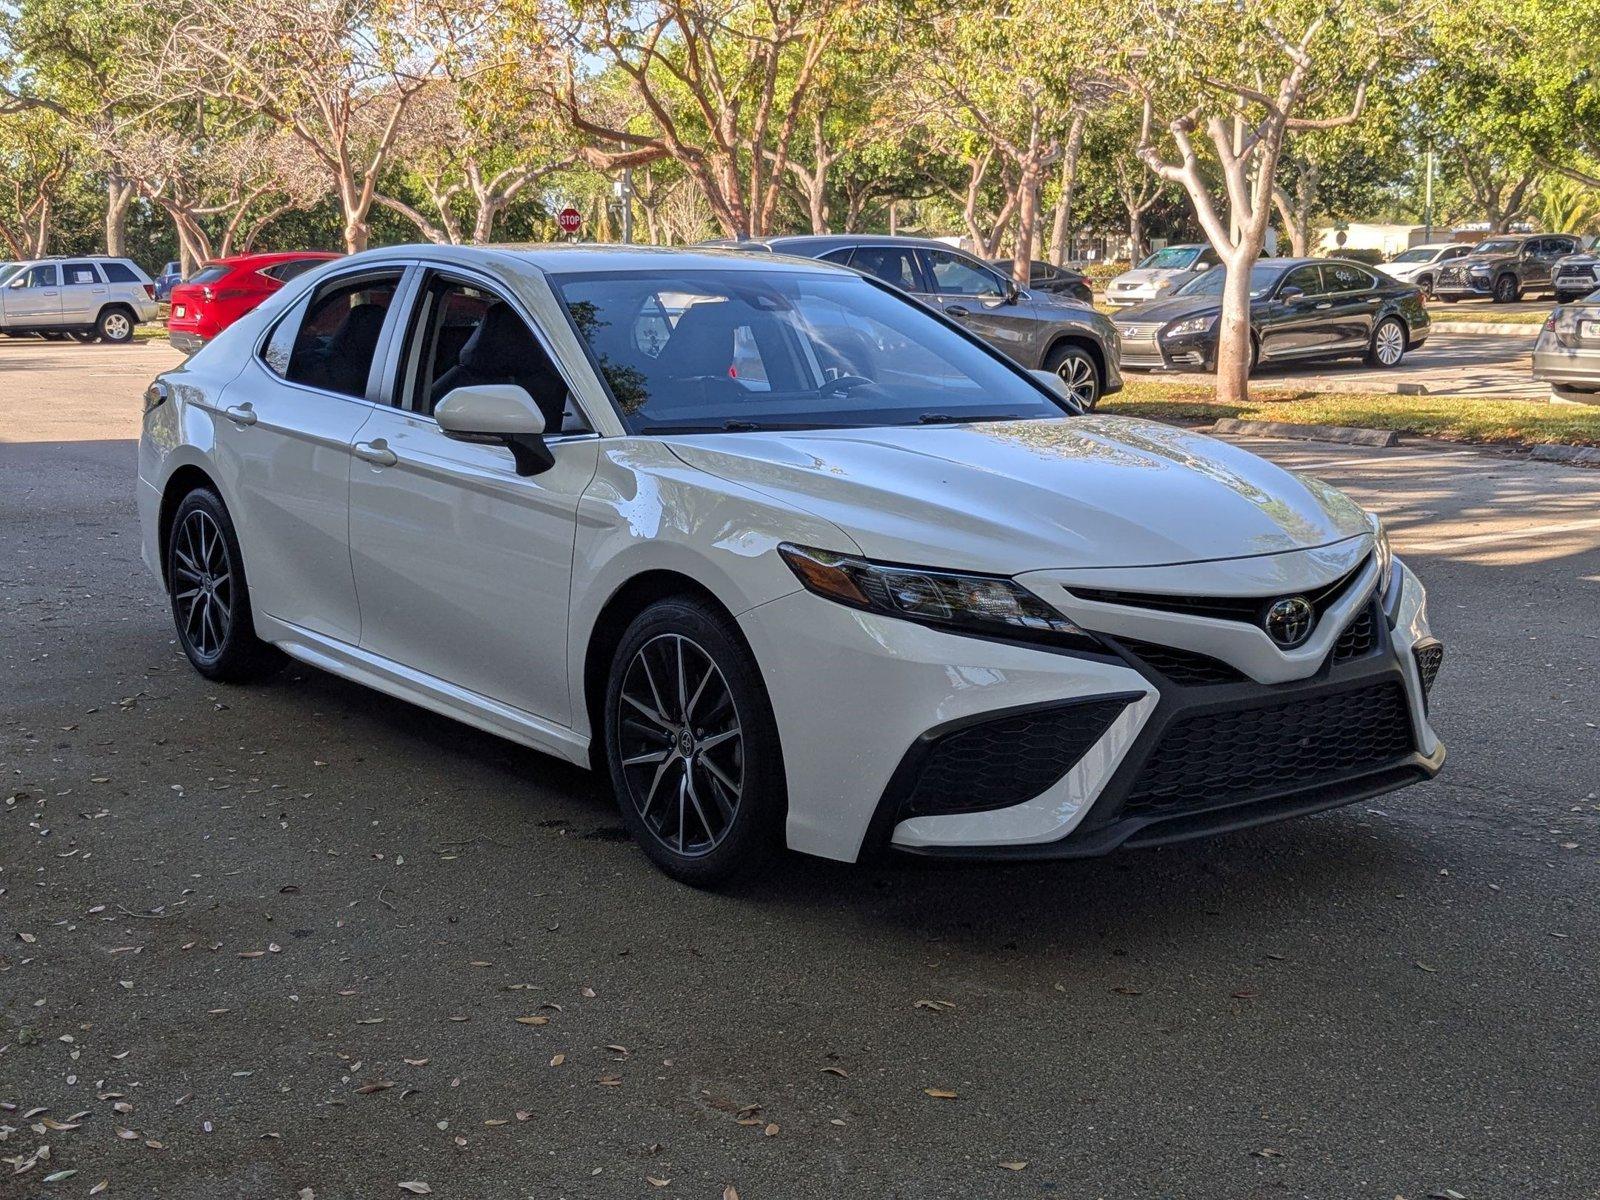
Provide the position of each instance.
(272, 256)
(559, 257)
(820, 243)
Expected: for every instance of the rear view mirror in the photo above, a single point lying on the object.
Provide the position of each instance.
(497, 414)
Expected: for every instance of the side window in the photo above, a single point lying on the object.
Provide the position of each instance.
(1455, 252)
(1307, 278)
(116, 272)
(842, 257)
(332, 343)
(43, 276)
(80, 274)
(956, 276)
(463, 335)
(1342, 277)
(284, 272)
(892, 264)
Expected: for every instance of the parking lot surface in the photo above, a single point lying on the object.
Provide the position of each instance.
(300, 936)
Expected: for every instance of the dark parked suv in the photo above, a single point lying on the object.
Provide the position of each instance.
(1506, 267)
(1040, 331)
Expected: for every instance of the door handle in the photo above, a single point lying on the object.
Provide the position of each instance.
(957, 310)
(1325, 304)
(241, 414)
(376, 452)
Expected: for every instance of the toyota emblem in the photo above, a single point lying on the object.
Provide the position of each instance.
(1288, 622)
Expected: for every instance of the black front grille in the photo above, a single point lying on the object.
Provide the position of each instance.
(1430, 657)
(1008, 760)
(1238, 755)
(1227, 608)
(1359, 638)
(1183, 667)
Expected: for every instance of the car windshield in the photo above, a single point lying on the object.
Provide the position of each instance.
(735, 350)
(1499, 247)
(1171, 258)
(1421, 254)
(1262, 277)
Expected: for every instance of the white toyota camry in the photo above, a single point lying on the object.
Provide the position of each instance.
(792, 557)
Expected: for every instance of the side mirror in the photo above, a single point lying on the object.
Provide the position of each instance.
(497, 414)
(1291, 295)
(1058, 386)
(1013, 292)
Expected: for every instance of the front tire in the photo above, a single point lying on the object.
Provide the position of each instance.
(115, 326)
(1073, 366)
(1388, 344)
(692, 744)
(210, 598)
(1506, 290)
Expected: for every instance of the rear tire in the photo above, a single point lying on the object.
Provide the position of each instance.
(210, 596)
(1075, 368)
(692, 744)
(115, 326)
(1425, 285)
(1507, 290)
(1388, 345)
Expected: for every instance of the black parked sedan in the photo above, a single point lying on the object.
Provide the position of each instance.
(1300, 308)
(1047, 277)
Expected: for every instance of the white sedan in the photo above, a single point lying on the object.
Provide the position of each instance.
(793, 558)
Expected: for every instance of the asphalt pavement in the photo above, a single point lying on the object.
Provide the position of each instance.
(300, 939)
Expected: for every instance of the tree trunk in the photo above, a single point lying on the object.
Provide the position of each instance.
(119, 198)
(1233, 336)
(1136, 241)
(1027, 220)
(1060, 251)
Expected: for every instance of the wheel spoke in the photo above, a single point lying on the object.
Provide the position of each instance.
(647, 711)
(655, 785)
(717, 739)
(694, 798)
(683, 794)
(694, 700)
(639, 760)
(719, 775)
(655, 692)
(683, 683)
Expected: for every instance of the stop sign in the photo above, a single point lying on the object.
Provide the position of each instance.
(570, 220)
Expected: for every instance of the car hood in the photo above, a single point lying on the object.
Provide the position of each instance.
(1174, 308)
(1006, 497)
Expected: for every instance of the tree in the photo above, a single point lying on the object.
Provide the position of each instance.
(37, 153)
(722, 85)
(1242, 77)
(340, 76)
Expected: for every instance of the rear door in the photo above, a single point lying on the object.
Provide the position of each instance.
(1352, 298)
(33, 297)
(284, 432)
(83, 291)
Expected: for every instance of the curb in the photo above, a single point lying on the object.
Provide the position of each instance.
(1314, 433)
(1487, 329)
(1584, 456)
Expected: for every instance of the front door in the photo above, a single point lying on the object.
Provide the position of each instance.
(463, 568)
(1296, 325)
(33, 298)
(977, 297)
(284, 428)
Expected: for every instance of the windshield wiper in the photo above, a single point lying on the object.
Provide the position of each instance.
(939, 418)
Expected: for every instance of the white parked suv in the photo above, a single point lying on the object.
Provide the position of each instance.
(87, 297)
(1420, 264)
(791, 557)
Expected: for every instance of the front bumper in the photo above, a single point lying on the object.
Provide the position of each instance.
(1464, 287)
(1139, 295)
(1143, 349)
(864, 703)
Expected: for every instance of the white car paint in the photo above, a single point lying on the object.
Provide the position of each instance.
(1440, 252)
(450, 581)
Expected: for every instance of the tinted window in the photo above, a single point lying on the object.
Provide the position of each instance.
(285, 271)
(957, 276)
(210, 273)
(464, 335)
(116, 272)
(1307, 278)
(842, 257)
(696, 350)
(329, 342)
(892, 264)
(1262, 277)
(43, 276)
(80, 273)
(1342, 277)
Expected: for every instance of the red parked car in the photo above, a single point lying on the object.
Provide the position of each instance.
(221, 292)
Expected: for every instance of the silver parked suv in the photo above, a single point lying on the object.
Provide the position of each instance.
(87, 297)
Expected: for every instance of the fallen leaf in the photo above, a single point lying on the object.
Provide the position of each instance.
(940, 1093)
(656, 1181)
(1245, 994)
(1128, 991)
(416, 1187)
(99, 1187)
(377, 1085)
(730, 1193)
(533, 1020)
(127, 1135)
(558, 1060)
(839, 1071)
(1014, 1166)
(416, 1062)
(609, 1081)
(1266, 1152)
(771, 1130)
(935, 1005)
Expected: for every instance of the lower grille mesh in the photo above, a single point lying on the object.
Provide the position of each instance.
(1183, 667)
(1430, 657)
(1009, 760)
(1359, 637)
(1235, 756)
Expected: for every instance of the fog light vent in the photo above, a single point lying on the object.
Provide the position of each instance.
(1430, 656)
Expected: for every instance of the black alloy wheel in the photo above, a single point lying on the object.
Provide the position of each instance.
(691, 744)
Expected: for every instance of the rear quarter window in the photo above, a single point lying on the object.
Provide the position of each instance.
(116, 272)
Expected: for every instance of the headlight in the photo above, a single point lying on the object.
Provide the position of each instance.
(983, 604)
(1192, 325)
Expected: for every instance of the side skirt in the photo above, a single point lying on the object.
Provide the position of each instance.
(425, 691)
